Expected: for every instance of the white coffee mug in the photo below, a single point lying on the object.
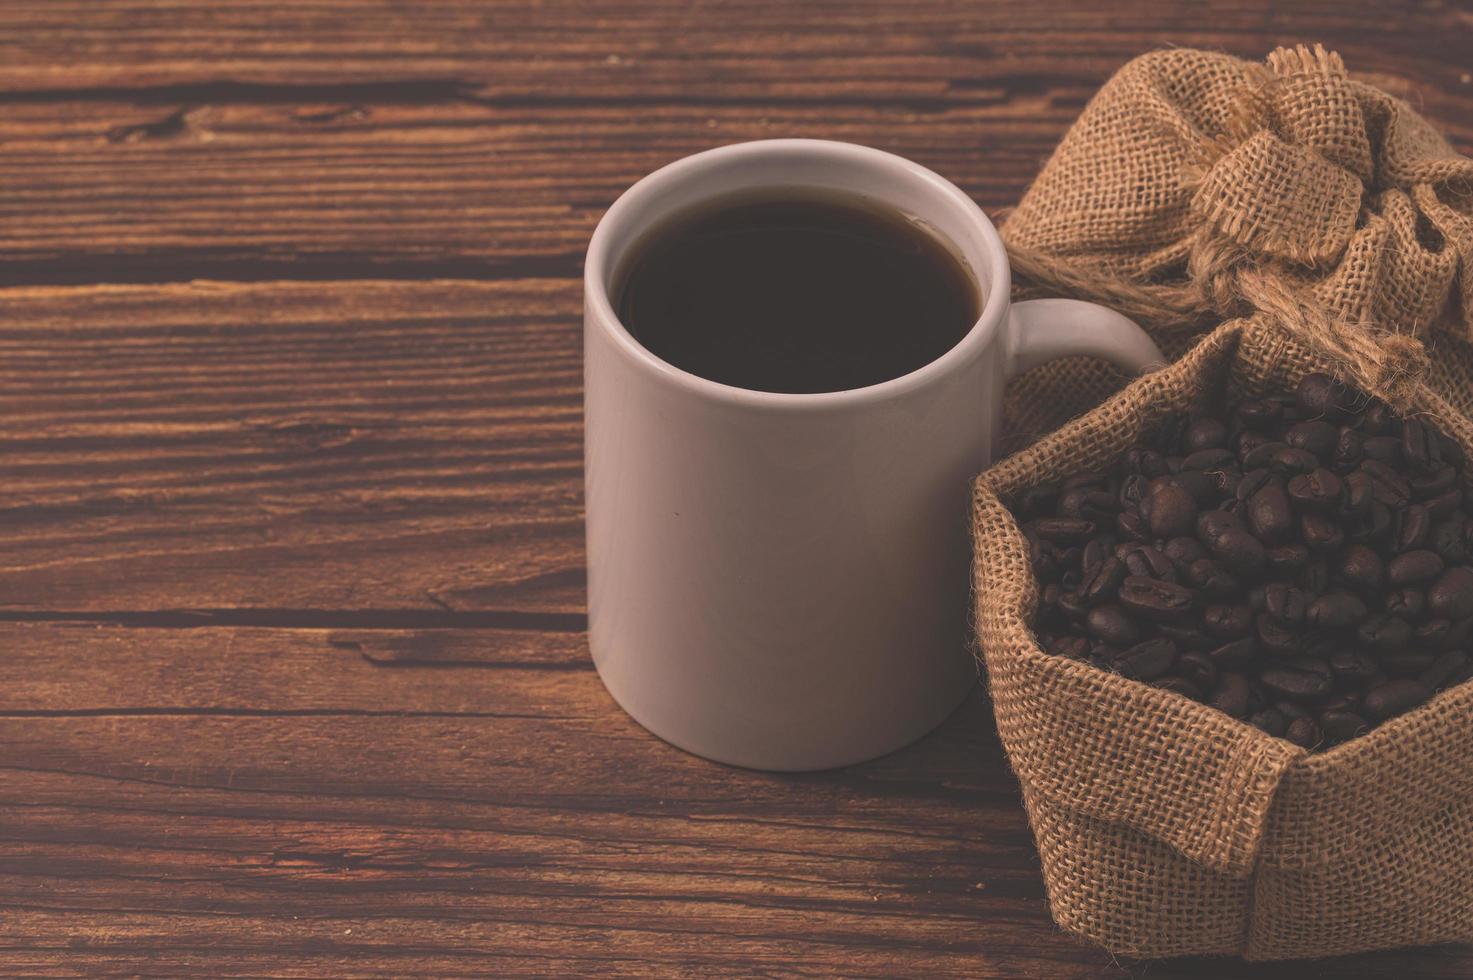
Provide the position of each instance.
(780, 581)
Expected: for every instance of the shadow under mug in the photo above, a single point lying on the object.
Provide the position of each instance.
(780, 581)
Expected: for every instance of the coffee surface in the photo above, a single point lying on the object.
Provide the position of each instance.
(795, 292)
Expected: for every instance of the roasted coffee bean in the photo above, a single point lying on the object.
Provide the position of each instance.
(1433, 483)
(1143, 559)
(1235, 654)
(1146, 660)
(1319, 489)
(1238, 550)
(1224, 481)
(1260, 454)
(1228, 621)
(1321, 533)
(1451, 596)
(1449, 541)
(1443, 506)
(1301, 561)
(1291, 709)
(1073, 647)
(1037, 500)
(1356, 500)
(1256, 413)
(1373, 529)
(1411, 527)
(1319, 396)
(1275, 636)
(1204, 432)
(1185, 635)
(1286, 559)
(1387, 486)
(1442, 634)
(1285, 602)
(1269, 513)
(1231, 696)
(1207, 459)
(1102, 585)
(1252, 482)
(1093, 481)
(1168, 436)
(1314, 578)
(1154, 598)
(1349, 450)
(1407, 602)
(1095, 552)
(1304, 733)
(1360, 567)
(1133, 490)
(1132, 525)
(1147, 462)
(1395, 697)
(1406, 663)
(1170, 512)
(1384, 633)
(1353, 667)
(1387, 449)
(1211, 523)
(1291, 460)
(1301, 679)
(1064, 530)
(1112, 624)
(1315, 436)
(1183, 551)
(1452, 451)
(1336, 610)
(1270, 720)
(1414, 444)
(1178, 685)
(1212, 578)
(1088, 504)
(1447, 666)
(1341, 725)
(1198, 668)
(1073, 605)
(1413, 567)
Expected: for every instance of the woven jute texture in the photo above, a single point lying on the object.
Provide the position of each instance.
(1197, 187)
(1166, 827)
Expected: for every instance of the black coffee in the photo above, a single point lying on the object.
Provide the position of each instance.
(795, 292)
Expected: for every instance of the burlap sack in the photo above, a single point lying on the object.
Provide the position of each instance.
(1166, 827)
(1197, 187)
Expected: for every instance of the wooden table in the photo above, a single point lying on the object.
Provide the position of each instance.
(294, 679)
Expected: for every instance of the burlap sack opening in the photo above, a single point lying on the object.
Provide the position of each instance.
(1167, 828)
(1197, 187)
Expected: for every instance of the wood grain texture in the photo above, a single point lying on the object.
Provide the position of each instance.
(292, 673)
(294, 446)
(301, 802)
(474, 141)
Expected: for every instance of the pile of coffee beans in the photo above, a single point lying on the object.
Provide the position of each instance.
(1300, 561)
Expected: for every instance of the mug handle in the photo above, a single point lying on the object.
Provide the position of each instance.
(1040, 330)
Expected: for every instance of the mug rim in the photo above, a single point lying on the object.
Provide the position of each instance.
(597, 267)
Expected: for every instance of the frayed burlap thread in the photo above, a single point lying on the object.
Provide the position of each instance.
(1197, 187)
(1166, 828)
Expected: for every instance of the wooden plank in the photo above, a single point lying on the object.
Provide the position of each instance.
(299, 446)
(118, 191)
(178, 801)
(760, 49)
